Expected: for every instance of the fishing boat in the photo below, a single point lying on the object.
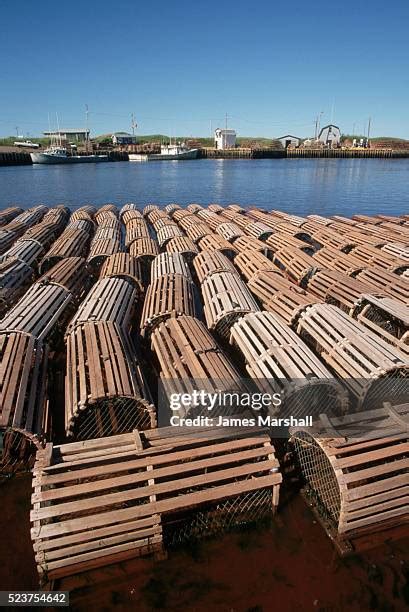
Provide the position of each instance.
(56, 154)
(167, 152)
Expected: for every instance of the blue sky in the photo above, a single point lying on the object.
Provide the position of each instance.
(180, 66)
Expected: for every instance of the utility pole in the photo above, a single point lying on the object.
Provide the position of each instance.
(369, 127)
(17, 130)
(86, 128)
(226, 121)
(133, 124)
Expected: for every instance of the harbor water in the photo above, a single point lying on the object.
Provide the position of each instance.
(302, 186)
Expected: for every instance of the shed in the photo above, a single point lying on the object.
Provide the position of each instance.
(289, 141)
(330, 135)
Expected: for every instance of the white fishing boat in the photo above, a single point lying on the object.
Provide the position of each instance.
(167, 152)
(59, 155)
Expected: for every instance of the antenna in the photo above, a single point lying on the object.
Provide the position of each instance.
(226, 121)
(369, 126)
(133, 124)
(17, 130)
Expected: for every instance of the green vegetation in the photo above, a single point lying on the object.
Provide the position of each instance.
(8, 141)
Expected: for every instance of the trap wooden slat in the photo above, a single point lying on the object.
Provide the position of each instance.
(111, 299)
(211, 218)
(7, 214)
(194, 208)
(361, 488)
(123, 265)
(215, 208)
(386, 282)
(7, 239)
(198, 230)
(333, 259)
(166, 233)
(15, 276)
(72, 243)
(226, 470)
(386, 317)
(170, 209)
(371, 369)
(169, 263)
(42, 307)
(100, 250)
(226, 299)
(129, 211)
(188, 221)
(250, 262)
(337, 288)
(23, 367)
(229, 231)
(398, 250)
(104, 232)
(105, 393)
(280, 240)
(329, 238)
(212, 262)
(370, 256)
(149, 208)
(70, 273)
(259, 230)
(280, 296)
(279, 361)
(144, 248)
(190, 359)
(296, 264)
(28, 251)
(105, 213)
(184, 246)
(215, 242)
(134, 229)
(167, 296)
(180, 214)
(244, 243)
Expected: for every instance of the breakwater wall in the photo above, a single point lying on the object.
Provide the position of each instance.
(347, 153)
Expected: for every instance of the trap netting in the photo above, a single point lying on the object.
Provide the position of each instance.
(218, 517)
(318, 475)
(17, 453)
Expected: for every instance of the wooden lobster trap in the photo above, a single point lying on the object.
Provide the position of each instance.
(214, 242)
(167, 296)
(332, 259)
(105, 392)
(371, 256)
(170, 209)
(197, 231)
(15, 276)
(134, 229)
(73, 242)
(297, 265)
(166, 233)
(84, 212)
(294, 231)
(29, 217)
(328, 238)
(337, 288)
(44, 306)
(28, 251)
(387, 283)
(69, 273)
(229, 231)
(8, 214)
(157, 215)
(130, 216)
(194, 207)
(159, 489)
(372, 370)
(386, 317)
(226, 299)
(280, 296)
(108, 232)
(398, 250)
(281, 240)
(183, 245)
(145, 250)
(162, 222)
(187, 221)
(106, 212)
(110, 299)
(259, 230)
(250, 262)
(7, 239)
(100, 250)
(190, 360)
(212, 262)
(279, 362)
(319, 219)
(169, 263)
(240, 220)
(244, 243)
(180, 214)
(355, 470)
(130, 207)
(123, 265)
(211, 218)
(215, 208)
(83, 224)
(44, 233)
(149, 208)
(23, 403)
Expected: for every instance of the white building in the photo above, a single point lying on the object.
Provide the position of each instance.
(330, 135)
(290, 141)
(224, 139)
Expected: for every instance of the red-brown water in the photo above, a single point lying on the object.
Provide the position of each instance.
(290, 566)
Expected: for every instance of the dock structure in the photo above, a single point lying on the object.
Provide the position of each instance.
(226, 298)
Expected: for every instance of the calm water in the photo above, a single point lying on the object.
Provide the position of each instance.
(343, 186)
